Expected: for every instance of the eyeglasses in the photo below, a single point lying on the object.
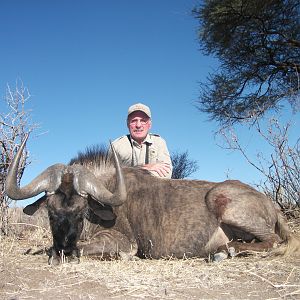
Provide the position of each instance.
(141, 121)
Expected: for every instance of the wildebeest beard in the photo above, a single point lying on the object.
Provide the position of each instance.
(66, 230)
(66, 223)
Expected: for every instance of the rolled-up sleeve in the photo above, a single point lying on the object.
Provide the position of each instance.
(162, 154)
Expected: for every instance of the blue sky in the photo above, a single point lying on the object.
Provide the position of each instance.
(86, 62)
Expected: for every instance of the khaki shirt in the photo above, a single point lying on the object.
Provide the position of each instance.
(135, 154)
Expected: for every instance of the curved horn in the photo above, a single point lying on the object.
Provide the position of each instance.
(49, 180)
(86, 182)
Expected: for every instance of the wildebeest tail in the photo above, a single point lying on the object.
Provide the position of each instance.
(292, 241)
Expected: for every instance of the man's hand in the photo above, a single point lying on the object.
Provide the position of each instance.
(161, 168)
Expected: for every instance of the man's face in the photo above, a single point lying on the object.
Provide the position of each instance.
(139, 125)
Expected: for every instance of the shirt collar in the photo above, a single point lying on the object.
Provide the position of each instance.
(147, 140)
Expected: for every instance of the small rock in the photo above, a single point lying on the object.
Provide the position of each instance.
(220, 256)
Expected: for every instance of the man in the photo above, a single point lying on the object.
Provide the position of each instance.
(141, 148)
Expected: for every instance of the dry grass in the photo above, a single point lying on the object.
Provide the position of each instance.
(29, 276)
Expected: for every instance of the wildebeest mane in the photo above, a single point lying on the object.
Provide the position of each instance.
(96, 154)
(96, 158)
(99, 158)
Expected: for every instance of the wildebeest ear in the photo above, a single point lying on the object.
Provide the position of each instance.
(32, 208)
(105, 215)
(104, 212)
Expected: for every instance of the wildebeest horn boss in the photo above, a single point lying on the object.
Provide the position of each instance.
(134, 213)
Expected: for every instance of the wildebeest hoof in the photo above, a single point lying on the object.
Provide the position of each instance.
(219, 256)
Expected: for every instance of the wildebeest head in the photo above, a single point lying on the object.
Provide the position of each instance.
(71, 192)
(66, 212)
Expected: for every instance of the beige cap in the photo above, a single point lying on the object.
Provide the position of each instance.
(141, 107)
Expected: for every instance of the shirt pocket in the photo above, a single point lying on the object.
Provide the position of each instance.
(152, 154)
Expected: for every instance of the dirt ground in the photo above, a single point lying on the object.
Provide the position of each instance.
(27, 276)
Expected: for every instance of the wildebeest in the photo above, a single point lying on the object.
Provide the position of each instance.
(135, 213)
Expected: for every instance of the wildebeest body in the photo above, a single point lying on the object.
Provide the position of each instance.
(168, 223)
(189, 218)
(134, 212)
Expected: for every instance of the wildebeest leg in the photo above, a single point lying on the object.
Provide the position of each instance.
(241, 241)
(248, 238)
(244, 215)
(109, 244)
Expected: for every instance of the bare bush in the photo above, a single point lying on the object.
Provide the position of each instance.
(14, 124)
(183, 166)
(281, 169)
